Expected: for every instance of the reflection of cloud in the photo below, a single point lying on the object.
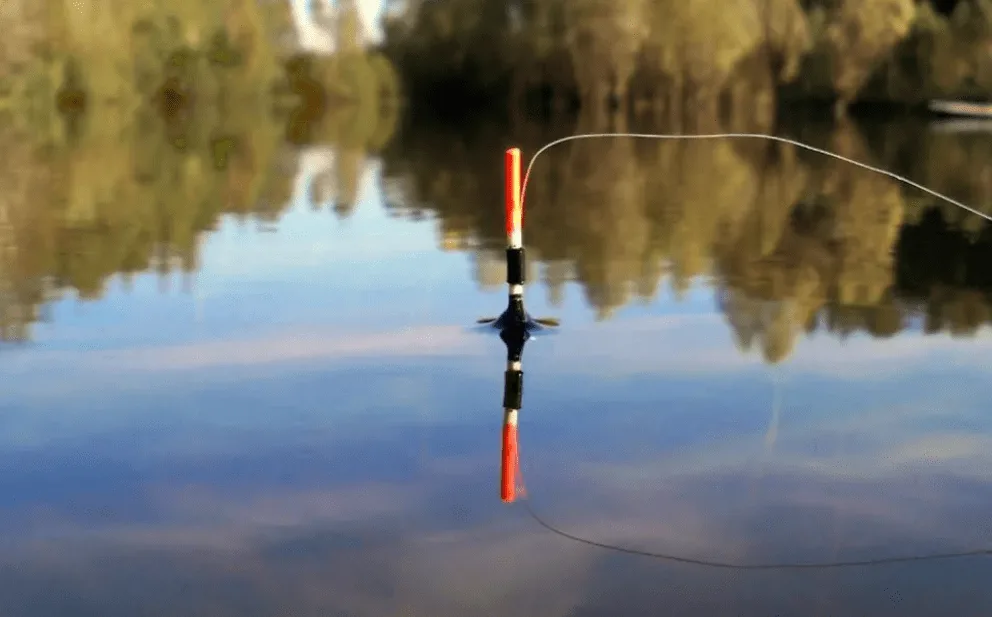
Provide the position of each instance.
(942, 448)
(309, 546)
(369, 549)
(284, 347)
(702, 344)
(286, 507)
(865, 482)
(493, 571)
(201, 517)
(783, 518)
(310, 571)
(850, 444)
(905, 491)
(867, 358)
(663, 346)
(425, 341)
(59, 380)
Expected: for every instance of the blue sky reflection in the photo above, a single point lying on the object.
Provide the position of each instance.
(314, 428)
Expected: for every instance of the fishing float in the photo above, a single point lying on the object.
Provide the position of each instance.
(515, 325)
(512, 325)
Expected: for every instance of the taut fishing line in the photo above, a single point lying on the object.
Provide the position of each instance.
(727, 564)
(784, 140)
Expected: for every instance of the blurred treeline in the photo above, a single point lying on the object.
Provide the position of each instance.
(795, 241)
(668, 57)
(126, 54)
(128, 128)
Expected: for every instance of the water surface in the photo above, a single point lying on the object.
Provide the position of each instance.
(765, 357)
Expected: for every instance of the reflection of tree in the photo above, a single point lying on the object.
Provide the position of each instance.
(604, 189)
(139, 123)
(956, 164)
(943, 275)
(490, 268)
(135, 195)
(795, 241)
(126, 198)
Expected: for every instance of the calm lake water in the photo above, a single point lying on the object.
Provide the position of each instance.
(765, 357)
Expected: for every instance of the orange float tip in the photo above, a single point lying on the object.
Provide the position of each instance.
(514, 209)
(508, 469)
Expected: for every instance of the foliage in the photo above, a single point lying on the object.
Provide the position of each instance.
(178, 53)
(691, 51)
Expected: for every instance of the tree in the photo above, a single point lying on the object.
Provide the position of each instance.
(857, 37)
(604, 38)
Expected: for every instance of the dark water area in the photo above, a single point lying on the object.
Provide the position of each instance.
(253, 388)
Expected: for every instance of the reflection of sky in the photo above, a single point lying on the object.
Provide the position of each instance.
(321, 437)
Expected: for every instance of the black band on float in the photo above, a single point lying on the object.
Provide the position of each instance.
(513, 389)
(515, 266)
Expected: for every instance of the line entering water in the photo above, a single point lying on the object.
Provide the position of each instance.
(724, 564)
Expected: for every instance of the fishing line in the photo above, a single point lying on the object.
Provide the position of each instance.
(784, 140)
(728, 564)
